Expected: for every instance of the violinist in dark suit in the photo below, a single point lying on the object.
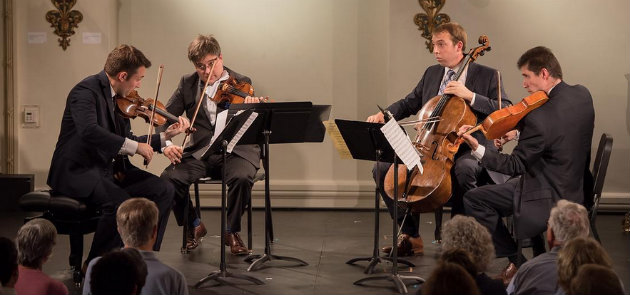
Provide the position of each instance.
(552, 157)
(478, 87)
(241, 166)
(90, 159)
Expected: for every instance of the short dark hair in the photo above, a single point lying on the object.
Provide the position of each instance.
(125, 58)
(460, 257)
(440, 282)
(456, 30)
(8, 260)
(538, 58)
(595, 279)
(201, 46)
(119, 272)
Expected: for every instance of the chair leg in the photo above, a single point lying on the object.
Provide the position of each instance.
(249, 224)
(197, 203)
(438, 224)
(184, 249)
(594, 230)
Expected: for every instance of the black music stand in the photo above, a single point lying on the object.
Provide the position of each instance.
(288, 122)
(394, 277)
(221, 143)
(366, 142)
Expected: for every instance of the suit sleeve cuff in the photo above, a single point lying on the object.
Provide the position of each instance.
(129, 147)
(479, 152)
(472, 100)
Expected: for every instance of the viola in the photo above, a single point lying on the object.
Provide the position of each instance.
(132, 106)
(502, 121)
(442, 116)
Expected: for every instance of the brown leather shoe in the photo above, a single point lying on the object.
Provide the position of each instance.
(200, 232)
(237, 247)
(507, 274)
(407, 246)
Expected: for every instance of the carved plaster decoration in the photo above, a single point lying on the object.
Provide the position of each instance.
(64, 20)
(427, 22)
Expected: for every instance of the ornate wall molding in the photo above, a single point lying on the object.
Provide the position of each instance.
(64, 20)
(426, 22)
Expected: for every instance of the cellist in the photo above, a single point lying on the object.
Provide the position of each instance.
(552, 156)
(478, 87)
(89, 162)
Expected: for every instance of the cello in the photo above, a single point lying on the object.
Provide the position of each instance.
(435, 141)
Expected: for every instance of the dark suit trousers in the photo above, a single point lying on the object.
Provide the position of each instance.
(488, 204)
(239, 179)
(109, 194)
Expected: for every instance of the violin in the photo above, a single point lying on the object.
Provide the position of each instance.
(232, 91)
(442, 116)
(502, 121)
(132, 106)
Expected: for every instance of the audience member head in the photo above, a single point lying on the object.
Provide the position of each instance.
(35, 241)
(137, 220)
(8, 263)
(464, 232)
(449, 278)
(595, 279)
(575, 253)
(567, 221)
(119, 272)
(460, 257)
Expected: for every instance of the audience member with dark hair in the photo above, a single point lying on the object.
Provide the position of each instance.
(576, 253)
(539, 275)
(465, 233)
(595, 279)
(119, 272)
(137, 221)
(35, 242)
(449, 278)
(8, 266)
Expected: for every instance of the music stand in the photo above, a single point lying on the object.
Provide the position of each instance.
(288, 122)
(394, 277)
(366, 142)
(221, 142)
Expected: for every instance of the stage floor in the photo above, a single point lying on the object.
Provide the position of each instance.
(325, 239)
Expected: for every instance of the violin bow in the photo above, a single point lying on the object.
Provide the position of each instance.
(499, 87)
(157, 91)
(192, 121)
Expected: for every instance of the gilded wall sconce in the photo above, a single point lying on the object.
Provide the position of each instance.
(64, 20)
(427, 22)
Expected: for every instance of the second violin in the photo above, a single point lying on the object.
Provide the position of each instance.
(132, 106)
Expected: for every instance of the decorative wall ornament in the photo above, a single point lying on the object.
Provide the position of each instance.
(64, 20)
(427, 22)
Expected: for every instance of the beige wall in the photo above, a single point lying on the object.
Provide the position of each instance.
(352, 54)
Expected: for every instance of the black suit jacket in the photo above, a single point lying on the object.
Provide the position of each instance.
(480, 79)
(552, 156)
(89, 139)
(185, 99)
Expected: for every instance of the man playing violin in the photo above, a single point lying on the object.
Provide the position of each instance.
(477, 85)
(552, 157)
(241, 165)
(90, 160)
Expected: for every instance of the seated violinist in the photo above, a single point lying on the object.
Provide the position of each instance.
(552, 158)
(477, 85)
(90, 160)
(241, 166)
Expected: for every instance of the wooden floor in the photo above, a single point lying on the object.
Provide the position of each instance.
(324, 239)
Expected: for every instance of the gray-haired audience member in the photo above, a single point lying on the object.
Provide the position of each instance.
(463, 232)
(137, 221)
(122, 272)
(8, 266)
(539, 275)
(35, 241)
(595, 279)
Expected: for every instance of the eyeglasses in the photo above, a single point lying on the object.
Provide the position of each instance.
(203, 67)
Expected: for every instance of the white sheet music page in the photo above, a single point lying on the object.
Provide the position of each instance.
(401, 144)
(241, 131)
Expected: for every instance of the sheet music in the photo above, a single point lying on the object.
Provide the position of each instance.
(241, 131)
(218, 128)
(337, 139)
(401, 144)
